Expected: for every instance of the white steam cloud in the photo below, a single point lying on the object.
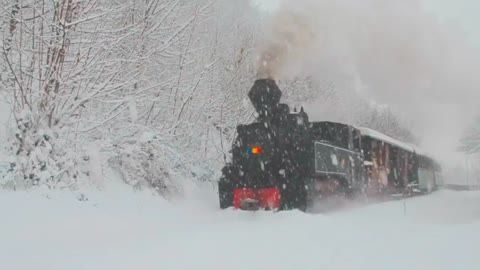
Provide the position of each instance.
(398, 53)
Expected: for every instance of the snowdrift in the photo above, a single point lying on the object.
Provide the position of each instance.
(118, 230)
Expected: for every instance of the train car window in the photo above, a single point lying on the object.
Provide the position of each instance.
(357, 140)
(350, 138)
(333, 133)
(344, 138)
(328, 133)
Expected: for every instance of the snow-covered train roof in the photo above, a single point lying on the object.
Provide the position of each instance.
(382, 137)
(385, 138)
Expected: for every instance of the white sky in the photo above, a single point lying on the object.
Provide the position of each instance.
(465, 12)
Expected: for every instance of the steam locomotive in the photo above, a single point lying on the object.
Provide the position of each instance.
(283, 161)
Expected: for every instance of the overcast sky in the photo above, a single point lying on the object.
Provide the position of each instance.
(465, 12)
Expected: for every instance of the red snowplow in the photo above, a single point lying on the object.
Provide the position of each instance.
(255, 199)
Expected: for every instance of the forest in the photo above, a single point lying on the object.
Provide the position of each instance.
(151, 90)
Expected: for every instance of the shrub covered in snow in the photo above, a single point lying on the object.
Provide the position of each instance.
(40, 157)
(157, 165)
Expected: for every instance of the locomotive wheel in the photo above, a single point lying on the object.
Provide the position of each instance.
(326, 194)
(225, 193)
(294, 196)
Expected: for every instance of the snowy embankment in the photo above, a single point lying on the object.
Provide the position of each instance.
(119, 230)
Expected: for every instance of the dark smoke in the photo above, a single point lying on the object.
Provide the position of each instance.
(288, 36)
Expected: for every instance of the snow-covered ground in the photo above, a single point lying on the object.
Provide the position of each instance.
(120, 230)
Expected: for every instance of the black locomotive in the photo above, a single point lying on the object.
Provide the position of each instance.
(283, 161)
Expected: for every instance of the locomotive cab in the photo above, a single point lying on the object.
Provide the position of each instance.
(337, 159)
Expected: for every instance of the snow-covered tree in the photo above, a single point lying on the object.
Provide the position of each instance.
(155, 86)
(50, 68)
(470, 142)
(386, 121)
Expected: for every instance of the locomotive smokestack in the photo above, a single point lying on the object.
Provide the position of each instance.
(265, 97)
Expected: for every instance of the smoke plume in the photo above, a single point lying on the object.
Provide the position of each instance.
(391, 52)
(289, 35)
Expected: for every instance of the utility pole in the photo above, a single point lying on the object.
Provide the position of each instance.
(466, 168)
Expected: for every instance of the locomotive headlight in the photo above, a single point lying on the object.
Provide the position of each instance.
(255, 150)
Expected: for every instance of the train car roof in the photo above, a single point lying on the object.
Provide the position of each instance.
(385, 138)
(382, 137)
(332, 123)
